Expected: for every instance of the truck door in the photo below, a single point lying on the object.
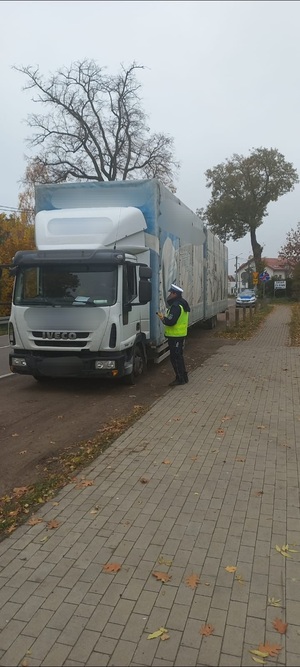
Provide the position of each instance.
(131, 316)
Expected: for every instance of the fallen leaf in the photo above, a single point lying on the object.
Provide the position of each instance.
(192, 581)
(157, 633)
(225, 419)
(272, 602)
(206, 630)
(112, 567)
(84, 483)
(214, 450)
(20, 490)
(220, 431)
(55, 504)
(164, 561)
(239, 578)
(259, 493)
(44, 539)
(259, 660)
(144, 480)
(230, 568)
(194, 458)
(283, 550)
(280, 626)
(165, 636)
(241, 460)
(161, 576)
(261, 427)
(34, 521)
(11, 528)
(14, 435)
(167, 461)
(270, 649)
(53, 524)
(24, 451)
(261, 654)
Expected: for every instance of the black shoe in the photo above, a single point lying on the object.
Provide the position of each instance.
(176, 382)
(186, 379)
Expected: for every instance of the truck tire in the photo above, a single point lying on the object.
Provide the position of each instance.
(139, 366)
(41, 378)
(211, 323)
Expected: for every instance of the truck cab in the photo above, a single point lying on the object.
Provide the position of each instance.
(80, 311)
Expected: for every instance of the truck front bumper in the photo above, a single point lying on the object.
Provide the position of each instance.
(68, 365)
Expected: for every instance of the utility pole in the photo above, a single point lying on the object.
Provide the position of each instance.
(236, 275)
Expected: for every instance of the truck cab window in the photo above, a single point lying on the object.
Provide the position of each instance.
(74, 285)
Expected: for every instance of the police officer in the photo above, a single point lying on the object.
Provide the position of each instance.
(176, 325)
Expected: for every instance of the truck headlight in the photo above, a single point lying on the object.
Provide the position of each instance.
(106, 364)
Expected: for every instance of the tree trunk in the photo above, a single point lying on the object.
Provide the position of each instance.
(257, 250)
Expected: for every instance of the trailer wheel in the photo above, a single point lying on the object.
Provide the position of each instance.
(139, 366)
(211, 323)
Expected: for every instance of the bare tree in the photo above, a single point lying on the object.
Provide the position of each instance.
(35, 173)
(95, 128)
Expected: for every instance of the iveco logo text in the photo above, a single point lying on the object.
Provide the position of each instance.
(59, 335)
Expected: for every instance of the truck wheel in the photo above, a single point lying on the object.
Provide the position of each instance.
(139, 366)
(41, 378)
(212, 322)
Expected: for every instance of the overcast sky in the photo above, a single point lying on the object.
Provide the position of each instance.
(220, 77)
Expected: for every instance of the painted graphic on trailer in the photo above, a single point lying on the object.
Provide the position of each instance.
(182, 265)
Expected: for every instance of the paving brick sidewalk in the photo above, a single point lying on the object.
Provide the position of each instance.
(229, 434)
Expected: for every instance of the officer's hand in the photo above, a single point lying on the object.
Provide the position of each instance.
(160, 315)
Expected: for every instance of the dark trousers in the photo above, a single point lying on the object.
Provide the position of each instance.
(176, 346)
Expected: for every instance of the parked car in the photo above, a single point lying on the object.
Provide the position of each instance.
(246, 298)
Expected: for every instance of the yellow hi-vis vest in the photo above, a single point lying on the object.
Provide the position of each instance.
(178, 330)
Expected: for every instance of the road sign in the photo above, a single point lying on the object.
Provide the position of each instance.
(279, 284)
(264, 276)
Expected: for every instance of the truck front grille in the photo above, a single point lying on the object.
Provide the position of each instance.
(68, 339)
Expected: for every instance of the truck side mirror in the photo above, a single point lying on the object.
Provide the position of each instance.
(145, 272)
(145, 292)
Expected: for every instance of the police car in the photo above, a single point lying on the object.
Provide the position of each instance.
(246, 298)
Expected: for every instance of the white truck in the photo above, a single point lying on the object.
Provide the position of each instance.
(85, 301)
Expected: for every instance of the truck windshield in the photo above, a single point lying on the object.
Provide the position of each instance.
(76, 285)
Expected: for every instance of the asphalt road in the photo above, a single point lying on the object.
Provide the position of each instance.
(37, 421)
(4, 351)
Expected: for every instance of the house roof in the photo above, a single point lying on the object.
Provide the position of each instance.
(274, 263)
(231, 279)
